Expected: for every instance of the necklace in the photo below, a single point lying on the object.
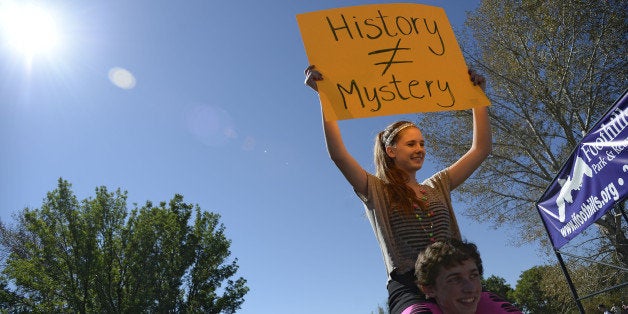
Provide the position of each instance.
(426, 215)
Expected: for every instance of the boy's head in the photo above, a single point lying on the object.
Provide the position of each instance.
(451, 272)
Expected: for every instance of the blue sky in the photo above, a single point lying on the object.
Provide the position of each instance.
(218, 113)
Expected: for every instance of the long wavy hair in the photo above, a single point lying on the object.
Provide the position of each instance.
(400, 195)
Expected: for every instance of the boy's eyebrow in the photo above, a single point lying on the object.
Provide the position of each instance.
(473, 271)
(452, 275)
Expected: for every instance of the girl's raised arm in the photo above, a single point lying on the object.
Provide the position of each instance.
(482, 141)
(350, 168)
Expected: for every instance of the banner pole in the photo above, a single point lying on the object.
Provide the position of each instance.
(574, 293)
(620, 206)
(569, 282)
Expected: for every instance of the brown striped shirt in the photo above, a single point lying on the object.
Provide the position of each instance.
(402, 237)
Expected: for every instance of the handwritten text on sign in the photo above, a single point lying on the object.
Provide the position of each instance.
(387, 59)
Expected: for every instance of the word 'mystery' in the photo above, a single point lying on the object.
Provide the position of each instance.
(396, 89)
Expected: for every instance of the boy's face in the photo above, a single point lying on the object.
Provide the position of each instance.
(457, 289)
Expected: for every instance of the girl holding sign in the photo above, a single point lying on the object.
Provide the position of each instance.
(406, 215)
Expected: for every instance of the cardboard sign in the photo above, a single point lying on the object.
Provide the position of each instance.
(387, 59)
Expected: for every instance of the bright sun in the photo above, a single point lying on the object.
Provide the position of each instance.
(28, 29)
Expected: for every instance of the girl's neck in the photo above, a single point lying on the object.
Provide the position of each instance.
(411, 177)
(412, 181)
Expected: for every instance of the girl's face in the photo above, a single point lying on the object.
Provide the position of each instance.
(409, 150)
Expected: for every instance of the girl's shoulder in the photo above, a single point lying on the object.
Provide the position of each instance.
(439, 178)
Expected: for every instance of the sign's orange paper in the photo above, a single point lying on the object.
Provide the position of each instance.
(386, 59)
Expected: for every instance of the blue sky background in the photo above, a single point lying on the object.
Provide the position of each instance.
(219, 114)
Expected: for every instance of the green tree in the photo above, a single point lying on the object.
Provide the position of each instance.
(8, 298)
(92, 256)
(588, 277)
(380, 310)
(531, 293)
(498, 286)
(542, 289)
(554, 68)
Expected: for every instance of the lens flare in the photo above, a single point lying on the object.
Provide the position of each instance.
(122, 78)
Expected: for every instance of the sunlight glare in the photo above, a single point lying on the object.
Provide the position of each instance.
(29, 29)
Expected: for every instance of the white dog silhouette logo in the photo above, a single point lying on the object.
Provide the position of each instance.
(572, 183)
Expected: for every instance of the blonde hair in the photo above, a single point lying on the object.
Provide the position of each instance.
(400, 196)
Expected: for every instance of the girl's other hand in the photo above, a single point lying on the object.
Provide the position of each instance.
(311, 76)
(477, 79)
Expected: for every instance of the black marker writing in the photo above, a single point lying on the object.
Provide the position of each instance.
(392, 57)
(396, 89)
(383, 25)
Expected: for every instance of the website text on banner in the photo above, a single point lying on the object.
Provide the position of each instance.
(593, 179)
(386, 59)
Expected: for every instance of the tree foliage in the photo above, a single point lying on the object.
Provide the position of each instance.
(498, 285)
(534, 293)
(93, 256)
(543, 289)
(554, 68)
(380, 310)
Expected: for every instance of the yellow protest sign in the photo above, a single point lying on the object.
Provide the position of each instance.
(386, 59)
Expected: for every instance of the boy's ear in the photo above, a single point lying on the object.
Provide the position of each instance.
(428, 291)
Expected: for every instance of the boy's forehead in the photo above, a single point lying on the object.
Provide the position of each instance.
(466, 265)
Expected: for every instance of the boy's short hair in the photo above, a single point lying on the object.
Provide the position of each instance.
(448, 253)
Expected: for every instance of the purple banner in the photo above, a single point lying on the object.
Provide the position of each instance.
(593, 179)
